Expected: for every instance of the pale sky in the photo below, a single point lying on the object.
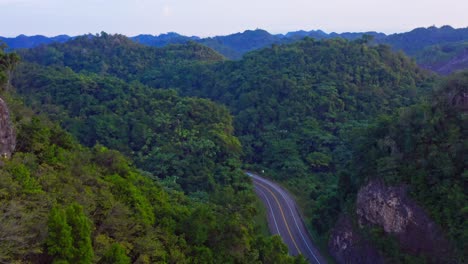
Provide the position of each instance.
(218, 17)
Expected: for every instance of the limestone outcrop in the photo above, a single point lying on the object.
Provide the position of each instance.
(389, 208)
(346, 245)
(7, 132)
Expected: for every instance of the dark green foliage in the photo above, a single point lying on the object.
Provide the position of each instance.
(444, 58)
(117, 55)
(167, 135)
(438, 54)
(187, 142)
(81, 232)
(69, 235)
(234, 46)
(102, 200)
(275, 252)
(316, 115)
(420, 38)
(8, 62)
(389, 246)
(424, 146)
(59, 240)
(294, 106)
(115, 255)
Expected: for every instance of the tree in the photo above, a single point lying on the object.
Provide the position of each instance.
(81, 227)
(8, 62)
(115, 255)
(69, 238)
(59, 241)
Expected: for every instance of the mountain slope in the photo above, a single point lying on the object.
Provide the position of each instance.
(117, 55)
(298, 110)
(26, 42)
(162, 39)
(64, 202)
(293, 105)
(234, 46)
(420, 38)
(420, 149)
(444, 59)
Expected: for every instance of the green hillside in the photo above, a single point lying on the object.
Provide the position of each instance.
(62, 202)
(309, 114)
(423, 147)
(294, 105)
(116, 55)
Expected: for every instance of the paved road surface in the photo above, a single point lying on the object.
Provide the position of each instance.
(285, 220)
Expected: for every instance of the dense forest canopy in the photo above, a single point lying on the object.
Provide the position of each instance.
(234, 46)
(62, 202)
(423, 147)
(316, 116)
(185, 138)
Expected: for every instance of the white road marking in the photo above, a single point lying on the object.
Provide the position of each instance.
(271, 209)
(288, 202)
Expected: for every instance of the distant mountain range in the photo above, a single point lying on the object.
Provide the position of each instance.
(433, 48)
(25, 42)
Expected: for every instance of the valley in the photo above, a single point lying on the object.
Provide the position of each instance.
(119, 152)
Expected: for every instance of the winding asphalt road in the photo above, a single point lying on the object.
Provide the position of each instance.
(285, 220)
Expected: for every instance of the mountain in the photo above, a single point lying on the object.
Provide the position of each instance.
(444, 58)
(25, 42)
(163, 39)
(420, 38)
(65, 202)
(117, 55)
(411, 159)
(292, 105)
(342, 124)
(317, 34)
(234, 46)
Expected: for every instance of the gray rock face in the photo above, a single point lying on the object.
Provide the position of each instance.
(391, 209)
(347, 246)
(398, 215)
(7, 132)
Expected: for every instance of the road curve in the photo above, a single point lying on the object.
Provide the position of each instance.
(285, 220)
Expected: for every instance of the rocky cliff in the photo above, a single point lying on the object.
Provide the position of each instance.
(348, 246)
(7, 132)
(391, 209)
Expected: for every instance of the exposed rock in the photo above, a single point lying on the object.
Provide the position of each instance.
(7, 132)
(347, 246)
(391, 209)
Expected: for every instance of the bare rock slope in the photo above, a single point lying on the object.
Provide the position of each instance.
(391, 209)
(7, 132)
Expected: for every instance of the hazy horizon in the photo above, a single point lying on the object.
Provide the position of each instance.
(274, 33)
(206, 18)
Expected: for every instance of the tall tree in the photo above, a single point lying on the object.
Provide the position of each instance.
(59, 240)
(81, 233)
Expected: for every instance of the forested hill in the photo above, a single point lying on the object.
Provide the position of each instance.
(421, 149)
(298, 111)
(420, 38)
(241, 42)
(445, 58)
(295, 104)
(25, 42)
(62, 202)
(117, 55)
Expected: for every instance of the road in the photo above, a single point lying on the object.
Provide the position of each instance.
(285, 220)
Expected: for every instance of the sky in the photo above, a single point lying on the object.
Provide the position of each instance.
(221, 17)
